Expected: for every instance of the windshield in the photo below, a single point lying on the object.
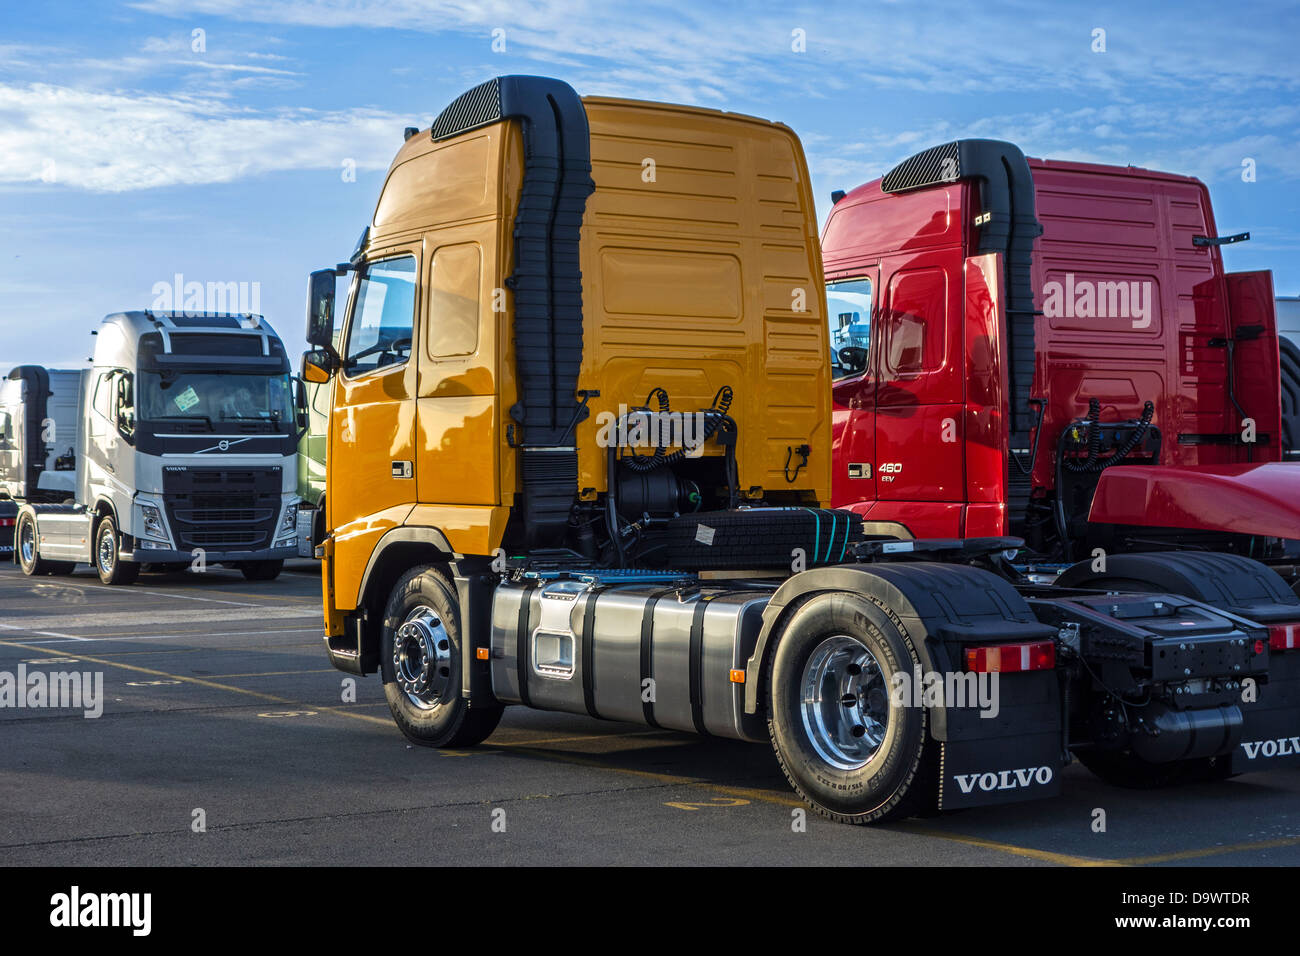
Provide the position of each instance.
(215, 397)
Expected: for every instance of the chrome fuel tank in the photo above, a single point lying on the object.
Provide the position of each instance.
(660, 653)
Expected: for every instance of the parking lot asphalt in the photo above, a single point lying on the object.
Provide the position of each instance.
(226, 738)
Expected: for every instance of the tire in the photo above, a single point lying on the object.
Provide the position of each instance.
(760, 538)
(847, 776)
(27, 548)
(261, 570)
(1126, 769)
(421, 667)
(108, 563)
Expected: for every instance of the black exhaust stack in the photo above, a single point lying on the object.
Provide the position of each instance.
(1010, 227)
(547, 281)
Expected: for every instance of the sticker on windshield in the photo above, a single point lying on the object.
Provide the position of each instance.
(186, 399)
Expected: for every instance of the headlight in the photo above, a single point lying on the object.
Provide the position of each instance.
(289, 523)
(153, 522)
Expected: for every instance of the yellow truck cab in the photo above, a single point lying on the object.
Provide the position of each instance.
(579, 441)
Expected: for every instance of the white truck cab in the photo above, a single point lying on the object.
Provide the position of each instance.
(176, 448)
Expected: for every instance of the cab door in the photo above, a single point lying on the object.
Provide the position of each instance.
(457, 427)
(371, 450)
(850, 302)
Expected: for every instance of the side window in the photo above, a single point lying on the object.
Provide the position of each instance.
(104, 396)
(916, 321)
(383, 316)
(454, 315)
(848, 304)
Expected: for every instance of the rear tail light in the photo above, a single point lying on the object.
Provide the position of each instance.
(7, 522)
(1009, 658)
(1284, 637)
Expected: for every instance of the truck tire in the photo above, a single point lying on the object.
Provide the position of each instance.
(112, 569)
(843, 748)
(26, 546)
(1126, 769)
(420, 660)
(760, 538)
(261, 570)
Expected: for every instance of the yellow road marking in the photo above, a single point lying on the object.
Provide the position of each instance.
(1209, 851)
(1046, 856)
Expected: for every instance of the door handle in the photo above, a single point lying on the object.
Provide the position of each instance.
(403, 469)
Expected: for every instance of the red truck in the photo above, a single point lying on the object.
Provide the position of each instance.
(1053, 352)
(1105, 384)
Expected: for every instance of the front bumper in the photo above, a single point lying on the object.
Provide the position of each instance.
(161, 556)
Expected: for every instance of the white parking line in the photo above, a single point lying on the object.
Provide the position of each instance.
(63, 637)
(66, 638)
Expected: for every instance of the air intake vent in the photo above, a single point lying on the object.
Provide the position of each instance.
(478, 107)
(941, 164)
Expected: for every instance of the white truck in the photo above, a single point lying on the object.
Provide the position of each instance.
(175, 449)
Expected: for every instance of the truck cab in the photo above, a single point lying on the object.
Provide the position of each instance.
(176, 448)
(1053, 350)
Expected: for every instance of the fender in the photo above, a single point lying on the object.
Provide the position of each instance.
(1242, 499)
(939, 605)
(412, 537)
(1230, 582)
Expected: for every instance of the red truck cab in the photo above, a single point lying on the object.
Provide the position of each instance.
(1051, 350)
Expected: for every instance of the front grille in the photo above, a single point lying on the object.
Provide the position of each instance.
(220, 508)
(226, 539)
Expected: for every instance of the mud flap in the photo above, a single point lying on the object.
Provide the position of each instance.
(980, 773)
(1270, 733)
(990, 758)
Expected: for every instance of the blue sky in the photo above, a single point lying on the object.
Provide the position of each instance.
(130, 151)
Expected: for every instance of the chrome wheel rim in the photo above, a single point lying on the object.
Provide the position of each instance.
(106, 553)
(27, 543)
(422, 657)
(845, 703)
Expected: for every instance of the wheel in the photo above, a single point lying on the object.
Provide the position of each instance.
(1126, 769)
(261, 570)
(420, 659)
(842, 745)
(29, 556)
(112, 569)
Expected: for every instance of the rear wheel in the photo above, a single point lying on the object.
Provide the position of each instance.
(420, 658)
(108, 562)
(842, 744)
(26, 543)
(261, 570)
(1126, 769)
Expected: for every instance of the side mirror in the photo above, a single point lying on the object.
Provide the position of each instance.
(125, 411)
(317, 367)
(320, 308)
(853, 358)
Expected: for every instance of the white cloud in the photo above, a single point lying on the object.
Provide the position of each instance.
(115, 142)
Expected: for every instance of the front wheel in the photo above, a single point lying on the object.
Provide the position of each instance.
(421, 664)
(108, 562)
(261, 570)
(843, 743)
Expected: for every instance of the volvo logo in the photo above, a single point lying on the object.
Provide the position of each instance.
(224, 445)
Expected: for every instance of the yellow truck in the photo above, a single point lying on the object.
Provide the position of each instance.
(579, 442)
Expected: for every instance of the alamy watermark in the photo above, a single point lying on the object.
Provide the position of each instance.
(641, 428)
(959, 689)
(55, 690)
(194, 298)
(1088, 299)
